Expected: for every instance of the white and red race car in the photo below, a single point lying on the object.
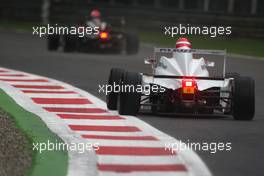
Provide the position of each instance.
(183, 80)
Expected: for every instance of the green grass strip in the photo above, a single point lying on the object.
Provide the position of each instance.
(48, 162)
(17, 25)
(237, 45)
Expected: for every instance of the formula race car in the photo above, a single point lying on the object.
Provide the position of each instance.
(96, 36)
(183, 80)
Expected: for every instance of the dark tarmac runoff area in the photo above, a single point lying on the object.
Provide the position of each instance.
(28, 53)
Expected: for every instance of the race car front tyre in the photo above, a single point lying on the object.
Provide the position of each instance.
(53, 42)
(114, 79)
(243, 98)
(69, 43)
(129, 98)
(132, 43)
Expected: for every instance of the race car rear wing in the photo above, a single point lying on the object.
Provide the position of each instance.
(194, 51)
(185, 77)
(116, 21)
(188, 77)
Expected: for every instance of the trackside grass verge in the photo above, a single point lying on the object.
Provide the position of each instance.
(16, 25)
(234, 45)
(243, 46)
(15, 148)
(53, 163)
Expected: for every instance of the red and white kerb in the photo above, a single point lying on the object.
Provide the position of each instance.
(183, 43)
(127, 146)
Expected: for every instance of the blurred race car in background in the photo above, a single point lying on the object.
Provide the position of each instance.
(188, 81)
(106, 38)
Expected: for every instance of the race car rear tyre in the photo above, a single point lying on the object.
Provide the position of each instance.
(129, 101)
(69, 43)
(114, 79)
(244, 98)
(132, 44)
(53, 42)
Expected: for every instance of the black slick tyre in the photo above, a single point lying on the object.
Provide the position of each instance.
(129, 101)
(53, 42)
(244, 98)
(132, 44)
(114, 79)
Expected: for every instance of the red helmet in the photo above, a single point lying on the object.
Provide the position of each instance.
(183, 43)
(95, 13)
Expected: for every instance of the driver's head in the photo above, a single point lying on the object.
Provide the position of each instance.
(95, 14)
(183, 43)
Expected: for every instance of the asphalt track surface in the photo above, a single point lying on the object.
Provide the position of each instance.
(28, 53)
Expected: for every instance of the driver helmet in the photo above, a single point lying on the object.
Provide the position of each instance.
(183, 43)
(95, 13)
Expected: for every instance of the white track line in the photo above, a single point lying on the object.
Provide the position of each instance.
(139, 159)
(140, 133)
(54, 95)
(128, 143)
(70, 106)
(143, 174)
(117, 122)
(34, 89)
